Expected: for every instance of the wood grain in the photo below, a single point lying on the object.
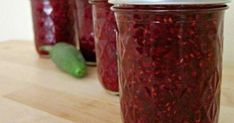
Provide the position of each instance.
(33, 90)
(79, 108)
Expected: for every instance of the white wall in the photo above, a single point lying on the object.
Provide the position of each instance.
(15, 23)
(229, 34)
(15, 20)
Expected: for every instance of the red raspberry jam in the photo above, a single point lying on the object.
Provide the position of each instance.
(105, 36)
(85, 30)
(53, 22)
(170, 62)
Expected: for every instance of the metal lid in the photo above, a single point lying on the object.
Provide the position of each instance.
(168, 2)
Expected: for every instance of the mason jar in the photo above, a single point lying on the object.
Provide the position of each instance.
(170, 59)
(105, 43)
(54, 21)
(85, 30)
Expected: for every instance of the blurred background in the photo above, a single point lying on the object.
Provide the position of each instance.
(16, 23)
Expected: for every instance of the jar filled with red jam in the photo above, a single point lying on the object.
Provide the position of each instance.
(54, 21)
(105, 43)
(170, 60)
(85, 30)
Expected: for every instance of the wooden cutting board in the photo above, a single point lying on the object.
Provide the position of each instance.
(33, 90)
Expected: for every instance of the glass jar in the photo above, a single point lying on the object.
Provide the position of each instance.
(54, 22)
(170, 60)
(85, 30)
(105, 43)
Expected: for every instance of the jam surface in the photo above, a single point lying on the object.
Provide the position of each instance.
(85, 29)
(53, 22)
(105, 36)
(170, 63)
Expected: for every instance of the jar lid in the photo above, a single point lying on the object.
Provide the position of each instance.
(98, 0)
(168, 2)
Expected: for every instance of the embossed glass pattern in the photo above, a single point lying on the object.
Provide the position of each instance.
(53, 22)
(105, 37)
(170, 62)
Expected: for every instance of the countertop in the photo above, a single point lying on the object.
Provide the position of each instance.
(33, 90)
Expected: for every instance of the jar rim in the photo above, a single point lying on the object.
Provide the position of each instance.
(168, 2)
(202, 9)
(98, 0)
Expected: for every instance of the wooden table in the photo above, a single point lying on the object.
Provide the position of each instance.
(33, 90)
